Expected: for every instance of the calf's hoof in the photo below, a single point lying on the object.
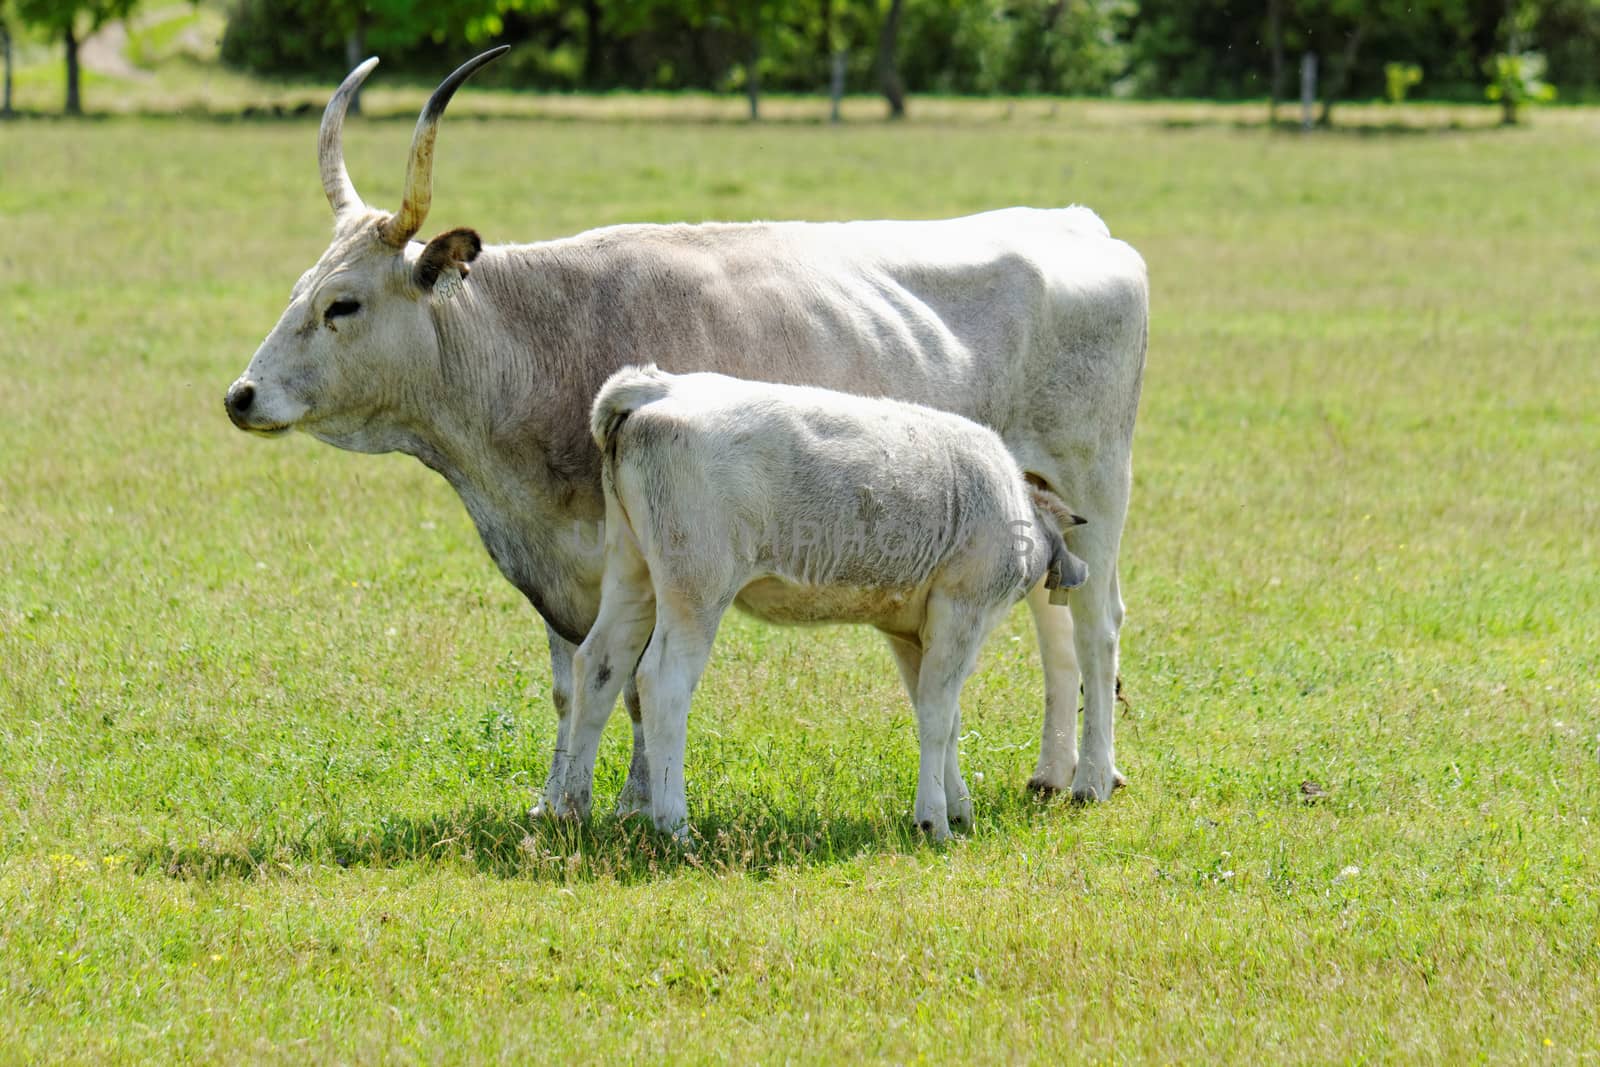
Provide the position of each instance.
(632, 801)
(937, 830)
(564, 807)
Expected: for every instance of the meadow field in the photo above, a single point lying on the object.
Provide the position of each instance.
(270, 721)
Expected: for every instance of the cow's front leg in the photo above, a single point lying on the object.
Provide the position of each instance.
(561, 651)
(1097, 622)
(635, 796)
(1058, 747)
(601, 666)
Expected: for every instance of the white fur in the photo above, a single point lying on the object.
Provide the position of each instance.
(800, 505)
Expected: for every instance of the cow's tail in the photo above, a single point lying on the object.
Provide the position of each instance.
(625, 392)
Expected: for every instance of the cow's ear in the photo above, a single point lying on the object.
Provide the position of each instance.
(448, 253)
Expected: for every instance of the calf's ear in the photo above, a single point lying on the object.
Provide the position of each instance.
(1066, 572)
(450, 252)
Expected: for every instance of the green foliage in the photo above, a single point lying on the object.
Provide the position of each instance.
(57, 16)
(1183, 48)
(1515, 80)
(1398, 80)
(1012, 46)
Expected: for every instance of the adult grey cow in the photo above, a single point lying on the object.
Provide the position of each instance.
(1032, 322)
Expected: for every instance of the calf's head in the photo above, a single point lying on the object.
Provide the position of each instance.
(358, 334)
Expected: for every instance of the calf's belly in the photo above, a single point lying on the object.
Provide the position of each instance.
(894, 609)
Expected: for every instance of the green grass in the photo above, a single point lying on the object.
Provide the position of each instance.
(270, 720)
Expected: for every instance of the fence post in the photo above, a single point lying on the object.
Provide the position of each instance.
(1308, 89)
(836, 84)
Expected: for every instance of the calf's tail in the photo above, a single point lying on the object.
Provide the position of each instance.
(625, 392)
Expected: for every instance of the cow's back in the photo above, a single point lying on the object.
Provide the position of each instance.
(973, 315)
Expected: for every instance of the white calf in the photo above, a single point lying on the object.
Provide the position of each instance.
(801, 505)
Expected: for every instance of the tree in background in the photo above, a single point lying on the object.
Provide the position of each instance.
(5, 44)
(1516, 75)
(1212, 49)
(66, 19)
(893, 88)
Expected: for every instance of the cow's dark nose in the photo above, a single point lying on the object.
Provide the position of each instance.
(239, 399)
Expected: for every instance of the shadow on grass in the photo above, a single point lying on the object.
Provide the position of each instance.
(509, 843)
(308, 113)
(1351, 129)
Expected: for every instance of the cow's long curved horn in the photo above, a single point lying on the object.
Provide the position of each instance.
(330, 143)
(419, 168)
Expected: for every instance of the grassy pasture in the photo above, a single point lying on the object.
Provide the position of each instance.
(270, 721)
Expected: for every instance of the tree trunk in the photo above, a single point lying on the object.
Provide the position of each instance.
(1275, 36)
(752, 76)
(825, 46)
(74, 77)
(1047, 65)
(355, 43)
(836, 87)
(888, 67)
(5, 39)
(1339, 77)
(593, 45)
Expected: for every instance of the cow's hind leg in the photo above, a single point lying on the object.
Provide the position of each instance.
(1097, 613)
(1058, 748)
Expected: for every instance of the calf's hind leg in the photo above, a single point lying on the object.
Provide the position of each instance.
(958, 803)
(635, 796)
(671, 668)
(952, 635)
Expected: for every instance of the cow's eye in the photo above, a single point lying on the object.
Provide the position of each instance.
(340, 308)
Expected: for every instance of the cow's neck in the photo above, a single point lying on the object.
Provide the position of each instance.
(507, 429)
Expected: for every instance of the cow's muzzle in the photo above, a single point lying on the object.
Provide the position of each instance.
(240, 396)
(239, 401)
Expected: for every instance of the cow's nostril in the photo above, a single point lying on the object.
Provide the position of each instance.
(240, 398)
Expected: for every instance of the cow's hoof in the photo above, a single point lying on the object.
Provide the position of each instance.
(1093, 784)
(681, 835)
(961, 813)
(1044, 788)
